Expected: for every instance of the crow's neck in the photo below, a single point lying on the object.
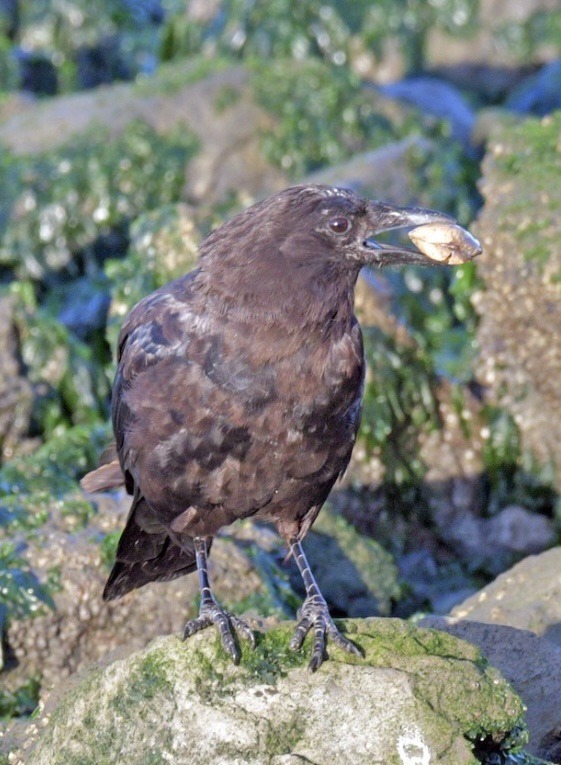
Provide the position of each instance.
(308, 300)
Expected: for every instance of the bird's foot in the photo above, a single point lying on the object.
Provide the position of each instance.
(314, 613)
(211, 613)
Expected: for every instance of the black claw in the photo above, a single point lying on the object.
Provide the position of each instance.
(318, 650)
(316, 661)
(314, 613)
(227, 624)
(195, 625)
(229, 645)
(242, 627)
(302, 629)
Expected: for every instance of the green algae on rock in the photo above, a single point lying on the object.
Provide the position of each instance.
(22, 594)
(69, 384)
(31, 485)
(163, 247)
(341, 119)
(35, 488)
(61, 201)
(332, 31)
(399, 404)
(415, 688)
(65, 32)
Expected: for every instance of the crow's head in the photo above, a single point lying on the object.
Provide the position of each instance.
(343, 226)
(313, 225)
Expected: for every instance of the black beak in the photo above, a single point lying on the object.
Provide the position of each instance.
(383, 217)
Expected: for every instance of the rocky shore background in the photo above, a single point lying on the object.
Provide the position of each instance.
(127, 131)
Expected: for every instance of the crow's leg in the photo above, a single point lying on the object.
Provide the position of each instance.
(211, 613)
(314, 613)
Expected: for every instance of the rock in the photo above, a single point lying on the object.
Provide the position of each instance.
(87, 44)
(98, 184)
(528, 596)
(490, 120)
(230, 159)
(452, 452)
(383, 173)
(488, 43)
(101, 63)
(418, 696)
(539, 93)
(436, 97)
(496, 542)
(15, 102)
(84, 304)
(81, 628)
(68, 382)
(430, 586)
(16, 393)
(531, 664)
(520, 306)
(520, 530)
(37, 73)
(393, 172)
(491, 84)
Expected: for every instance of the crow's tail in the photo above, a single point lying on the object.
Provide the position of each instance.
(146, 553)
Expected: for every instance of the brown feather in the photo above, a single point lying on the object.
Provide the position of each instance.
(105, 477)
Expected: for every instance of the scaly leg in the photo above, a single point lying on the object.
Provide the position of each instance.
(314, 613)
(210, 611)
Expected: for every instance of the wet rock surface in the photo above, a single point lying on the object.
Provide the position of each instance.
(533, 667)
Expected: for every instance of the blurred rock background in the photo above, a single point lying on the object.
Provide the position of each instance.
(128, 129)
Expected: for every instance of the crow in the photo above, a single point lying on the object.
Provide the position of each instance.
(238, 393)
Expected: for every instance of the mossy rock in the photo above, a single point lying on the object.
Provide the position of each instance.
(79, 198)
(355, 574)
(520, 307)
(417, 693)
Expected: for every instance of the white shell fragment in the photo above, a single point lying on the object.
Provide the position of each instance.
(445, 243)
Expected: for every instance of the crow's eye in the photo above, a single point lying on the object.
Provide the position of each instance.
(339, 225)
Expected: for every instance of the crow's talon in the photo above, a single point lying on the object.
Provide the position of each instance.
(195, 625)
(302, 629)
(314, 613)
(227, 624)
(241, 626)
